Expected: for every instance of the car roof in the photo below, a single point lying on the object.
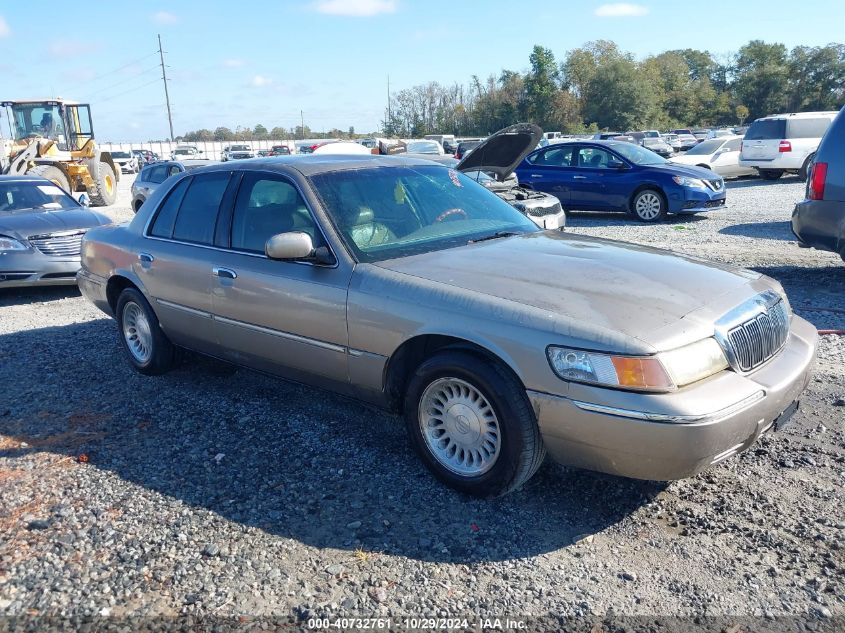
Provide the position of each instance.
(16, 178)
(314, 164)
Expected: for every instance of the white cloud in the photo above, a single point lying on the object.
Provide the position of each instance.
(164, 18)
(358, 8)
(259, 81)
(233, 63)
(5, 31)
(71, 48)
(621, 10)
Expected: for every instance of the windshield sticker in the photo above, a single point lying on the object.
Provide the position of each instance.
(454, 176)
(50, 190)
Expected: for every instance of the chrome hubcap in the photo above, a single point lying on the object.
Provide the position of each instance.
(648, 206)
(459, 427)
(137, 333)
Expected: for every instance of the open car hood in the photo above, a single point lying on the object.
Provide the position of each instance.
(501, 152)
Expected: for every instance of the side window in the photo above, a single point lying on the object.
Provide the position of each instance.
(197, 215)
(555, 156)
(166, 216)
(733, 146)
(594, 158)
(266, 206)
(173, 170)
(807, 128)
(156, 174)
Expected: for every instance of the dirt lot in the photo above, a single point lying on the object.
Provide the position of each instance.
(217, 491)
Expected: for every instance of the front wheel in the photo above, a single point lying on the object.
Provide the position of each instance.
(147, 348)
(771, 174)
(472, 425)
(648, 206)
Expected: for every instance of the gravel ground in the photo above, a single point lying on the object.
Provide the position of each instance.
(214, 491)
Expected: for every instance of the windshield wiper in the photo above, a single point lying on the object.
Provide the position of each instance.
(494, 236)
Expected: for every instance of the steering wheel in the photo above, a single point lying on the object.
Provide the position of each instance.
(449, 212)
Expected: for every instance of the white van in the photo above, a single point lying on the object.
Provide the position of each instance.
(784, 143)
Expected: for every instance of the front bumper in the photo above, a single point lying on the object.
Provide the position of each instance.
(28, 268)
(820, 224)
(688, 200)
(733, 411)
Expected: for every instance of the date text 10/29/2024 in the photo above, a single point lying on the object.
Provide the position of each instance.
(417, 624)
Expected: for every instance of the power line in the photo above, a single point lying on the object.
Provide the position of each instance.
(119, 68)
(120, 94)
(127, 80)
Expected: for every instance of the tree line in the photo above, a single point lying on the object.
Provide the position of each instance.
(599, 86)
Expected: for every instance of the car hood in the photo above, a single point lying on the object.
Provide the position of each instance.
(611, 287)
(500, 153)
(691, 171)
(26, 223)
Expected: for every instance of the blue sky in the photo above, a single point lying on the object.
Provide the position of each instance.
(261, 61)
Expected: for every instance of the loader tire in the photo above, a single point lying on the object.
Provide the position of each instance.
(53, 174)
(104, 192)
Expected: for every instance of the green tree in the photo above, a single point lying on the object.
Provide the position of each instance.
(223, 134)
(259, 131)
(761, 77)
(278, 133)
(615, 98)
(541, 85)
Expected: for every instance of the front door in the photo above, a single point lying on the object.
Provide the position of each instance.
(596, 185)
(550, 171)
(282, 316)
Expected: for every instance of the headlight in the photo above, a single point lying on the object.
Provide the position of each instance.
(693, 183)
(644, 373)
(664, 372)
(694, 362)
(9, 244)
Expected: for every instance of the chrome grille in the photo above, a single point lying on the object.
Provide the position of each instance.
(66, 244)
(715, 184)
(755, 340)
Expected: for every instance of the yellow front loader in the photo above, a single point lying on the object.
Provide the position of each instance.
(54, 139)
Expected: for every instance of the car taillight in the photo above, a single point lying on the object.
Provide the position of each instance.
(818, 176)
(785, 146)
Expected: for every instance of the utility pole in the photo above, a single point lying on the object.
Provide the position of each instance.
(389, 122)
(302, 123)
(166, 94)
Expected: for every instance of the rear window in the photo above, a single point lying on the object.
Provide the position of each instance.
(166, 217)
(198, 212)
(156, 174)
(807, 128)
(766, 130)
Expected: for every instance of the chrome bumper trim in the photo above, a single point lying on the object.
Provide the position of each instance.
(677, 419)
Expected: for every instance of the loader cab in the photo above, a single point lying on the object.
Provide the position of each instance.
(67, 123)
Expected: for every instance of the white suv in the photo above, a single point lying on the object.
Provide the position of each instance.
(784, 142)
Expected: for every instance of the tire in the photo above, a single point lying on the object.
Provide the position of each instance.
(805, 168)
(51, 173)
(146, 347)
(648, 205)
(771, 174)
(490, 401)
(104, 191)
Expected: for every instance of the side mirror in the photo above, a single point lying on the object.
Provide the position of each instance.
(616, 164)
(291, 245)
(84, 200)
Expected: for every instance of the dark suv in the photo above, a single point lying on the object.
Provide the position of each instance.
(819, 220)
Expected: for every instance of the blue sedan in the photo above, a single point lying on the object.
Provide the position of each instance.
(620, 176)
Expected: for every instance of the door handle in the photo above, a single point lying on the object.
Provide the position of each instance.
(579, 177)
(536, 176)
(146, 259)
(224, 273)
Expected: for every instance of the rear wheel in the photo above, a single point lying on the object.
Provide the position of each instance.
(147, 348)
(51, 173)
(472, 425)
(648, 205)
(771, 174)
(805, 168)
(104, 191)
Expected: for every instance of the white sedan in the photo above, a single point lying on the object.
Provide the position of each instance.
(718, 154)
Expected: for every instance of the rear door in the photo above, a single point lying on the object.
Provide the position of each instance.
(550, 170)
(762, 140)
(174, 261)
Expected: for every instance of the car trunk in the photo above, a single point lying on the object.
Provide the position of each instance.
(762, 140)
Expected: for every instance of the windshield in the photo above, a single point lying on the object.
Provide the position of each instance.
(121, 155)
(652, 141)
(424, 147)
(388, 212)
(638, 155)
(706, 147)
(37, 195)
(239, 148)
